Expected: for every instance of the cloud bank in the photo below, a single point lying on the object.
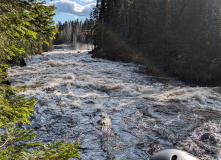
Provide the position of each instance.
(67, 6)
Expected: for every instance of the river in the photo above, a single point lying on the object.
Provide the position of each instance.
(115, 109)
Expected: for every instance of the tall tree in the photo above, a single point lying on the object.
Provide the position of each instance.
(180, 37)
(25, 25)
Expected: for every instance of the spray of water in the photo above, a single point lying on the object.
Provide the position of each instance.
(77, 46)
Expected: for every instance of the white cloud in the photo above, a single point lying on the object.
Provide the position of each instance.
(87, 0)
(67, 6)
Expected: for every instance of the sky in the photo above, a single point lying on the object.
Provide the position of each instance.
(72, 9)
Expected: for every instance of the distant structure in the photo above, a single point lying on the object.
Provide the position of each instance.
(83, 37)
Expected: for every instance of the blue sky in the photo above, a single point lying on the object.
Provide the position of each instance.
(72, 9)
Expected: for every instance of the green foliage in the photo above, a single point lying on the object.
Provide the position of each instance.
(17, 143)
(14, 108)
(55, 150)
(70, 30)
(26, 28)
(186, 43)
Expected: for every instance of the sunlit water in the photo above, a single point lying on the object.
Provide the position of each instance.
(116, 110)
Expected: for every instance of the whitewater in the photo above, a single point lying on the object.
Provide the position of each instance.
(115, 109)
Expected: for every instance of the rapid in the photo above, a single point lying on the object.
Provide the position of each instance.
(115, 109)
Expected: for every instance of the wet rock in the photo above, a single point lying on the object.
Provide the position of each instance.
(42, 102)
(26, 126)
(56, 117)
(47, 111)
(36, 123)
(205, 137)
(213, 140)
(171, 109)
(36, 126)
(89, 102)
(90, 145)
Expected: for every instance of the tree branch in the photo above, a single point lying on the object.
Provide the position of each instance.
(5, 142)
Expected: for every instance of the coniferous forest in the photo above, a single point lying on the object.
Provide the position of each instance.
(178, 38)
(67, 31)
(26, 28)
(181, 38)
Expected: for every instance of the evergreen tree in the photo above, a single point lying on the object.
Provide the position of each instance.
(68, 30)
(25, 25)
(16, 143)
(178, 37)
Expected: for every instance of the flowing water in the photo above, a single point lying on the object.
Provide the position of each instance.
(116, 110)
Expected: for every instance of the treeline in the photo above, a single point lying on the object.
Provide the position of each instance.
(67, 31)
(26, 28)
(175, 37)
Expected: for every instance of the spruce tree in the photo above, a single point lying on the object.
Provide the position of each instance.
(25, 26)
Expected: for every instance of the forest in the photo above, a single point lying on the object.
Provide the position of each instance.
(179, 38)
(67, 31)
(26, 28)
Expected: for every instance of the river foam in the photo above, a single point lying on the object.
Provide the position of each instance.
(114, 109)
